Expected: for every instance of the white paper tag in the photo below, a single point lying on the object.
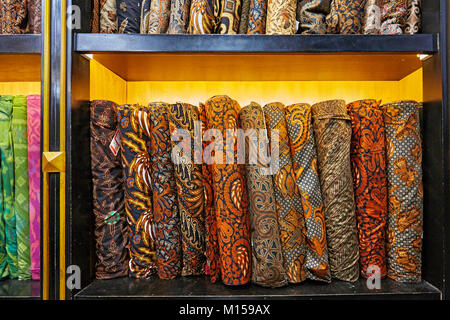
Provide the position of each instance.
(114, 146)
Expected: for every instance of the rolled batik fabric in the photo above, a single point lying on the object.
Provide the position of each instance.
(281, 17)
(243, 24)
(413, 21)
(188, 175)
(8, 239)
(34, 16)
(158, 20)
(257, 17)
(332, 130)
(202, 18)
(145, 16)
(111, 229)
(229, 16)
(95, 20)
(129, 15)
(230, 193)
(165, 205)
(372, 17)
(345, 16)
(404, 171)
(311, 16)
(267, 256)
(368, 158)
(393, 14)
(13, 16)
(34, 178)
(179, 16)
(304, 164)
(134, 142)
(108, 17)
(287, 197)
(19, 131)
(212, 267)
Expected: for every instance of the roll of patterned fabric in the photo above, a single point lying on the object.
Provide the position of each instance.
(134, 141)
(111, 229)
(332, 130)
(345, 16)
(34, 16)
(129, 15)
(179, 16)
(229, 16)
(230, 195)
(304, 163)
(288, 203)
(267, 256)
(311, 16)
(8, 239)
(212, 267)
(257, 17)
(413, 21)
(393, 14)
(404, 170)
(95, 20)
(19, 131)
(243, 24)
(188, 174)
(202, 18)
(158, 20)
(13, 16)
(34, 176)
(368, 158)
(145, 16)
(372, 17)
(165, 205)
(108, 17)
(281, 17)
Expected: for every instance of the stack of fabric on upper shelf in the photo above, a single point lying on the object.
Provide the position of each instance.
(273, 195)
(257, 16)
(20, 166)
(20, 16)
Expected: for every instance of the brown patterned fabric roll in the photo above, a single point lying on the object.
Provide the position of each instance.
(243, 24)
(345, 16)
(13, 16)
(413, 19)
(311, 15)
(281, 17)
(257, 17)
(404, 169)
(372, 17)
(179, 16)
(202, 18)
(267, 256)
(108, 17)
(287, 197)
(111, 230)
(158, 20)
(332, 129)
(34, 16)
(95, 20)
(393, 13)
(229, 16)
(304, 162)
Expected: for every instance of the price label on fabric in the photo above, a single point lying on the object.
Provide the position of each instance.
(115, 144)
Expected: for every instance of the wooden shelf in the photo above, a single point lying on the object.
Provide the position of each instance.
(200, 288)
(20, 67)
(19, 289)
(23, 43)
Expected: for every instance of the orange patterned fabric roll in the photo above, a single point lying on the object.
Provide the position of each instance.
(370, 184)
(202, 17)
(230, 196)
(345, 16)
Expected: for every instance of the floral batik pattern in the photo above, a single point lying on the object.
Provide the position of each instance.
(311, 16)
(413, 21)
(129, 15)
(229, 16)
(179, 16)
(108, 17)
(281, 17)
(304, 163)
(257, 17)
(404, 170)
(158, 21)
(202, 18)
(368, 158)
(393, 14)
(13, 16)
(372, 17)
(345, 16)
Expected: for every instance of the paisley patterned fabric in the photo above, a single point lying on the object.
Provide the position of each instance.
(13, 16)
(202, 18)
(229, 16)
(243, 24)
(288, 203)
(404, 170)
(345, 16)
(267, 256)
(372, 17)
(19, 131)
(111, 229)
(158, 21)
(413, 21)
(393, 13)
(281, 17)
(179, 16)
(304, 163)
(108, 17)
(129, 15)
(134, 141)
(34, 175)
(370, 183)
(165, 205)
(230, 196)
(188, 174)
(311, 15)
(257, 17)
(34, 16)
(333, 131)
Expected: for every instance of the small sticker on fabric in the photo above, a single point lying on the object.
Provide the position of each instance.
(114, 146)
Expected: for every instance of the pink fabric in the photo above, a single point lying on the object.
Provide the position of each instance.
(34, 174)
